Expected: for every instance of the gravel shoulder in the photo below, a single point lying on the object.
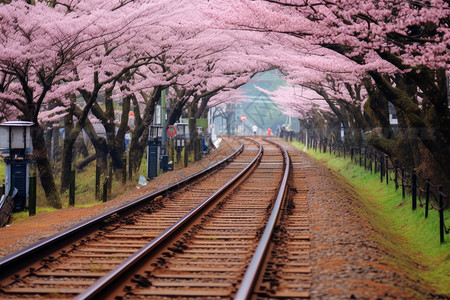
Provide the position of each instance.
(348, 257)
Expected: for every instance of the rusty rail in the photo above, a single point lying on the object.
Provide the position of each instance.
(118, 273)
(24, 257)
(254, 268)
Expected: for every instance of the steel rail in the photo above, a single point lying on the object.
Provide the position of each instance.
(251, 275)
(21, 258)
(114, 276)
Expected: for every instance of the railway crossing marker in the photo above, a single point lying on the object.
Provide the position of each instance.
(171, 131)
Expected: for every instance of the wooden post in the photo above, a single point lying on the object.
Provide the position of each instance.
(124, 170)
(360, 156)
(381, 168)
(31, 195)
(441, 214)
(186, 157)
(105, 190)
(374, 155)
(97, 182)
(396, 174)
(427, 198)
(110, 175)
(414, 190)
(386, 158)
(130, 167)
(72, 188)
(365, 158)
(403, 183)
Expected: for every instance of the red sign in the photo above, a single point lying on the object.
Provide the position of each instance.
(171, 131)
(243, 118)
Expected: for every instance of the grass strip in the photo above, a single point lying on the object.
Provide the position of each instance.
(412, 240)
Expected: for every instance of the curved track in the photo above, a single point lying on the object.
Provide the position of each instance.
(211, 239)
(287, 273)
(64, 265)
(208, 256)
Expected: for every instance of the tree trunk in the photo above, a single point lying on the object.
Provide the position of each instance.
(99, 143)
(192, 111)
(80, 147)
(44, 167)
(420, 143)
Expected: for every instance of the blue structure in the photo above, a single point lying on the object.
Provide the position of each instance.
(153, 151)
(15, 147)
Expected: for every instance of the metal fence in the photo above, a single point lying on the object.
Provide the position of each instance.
(429, 196)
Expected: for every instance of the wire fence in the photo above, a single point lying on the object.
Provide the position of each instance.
(429, 196)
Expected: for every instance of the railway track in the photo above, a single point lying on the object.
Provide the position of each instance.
(242, 241)
(287, 271)
(209, 256)
(65, 264)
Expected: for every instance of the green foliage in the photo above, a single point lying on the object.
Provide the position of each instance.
(412, 240)
(202, 122)
(84, 189)
(2, 171)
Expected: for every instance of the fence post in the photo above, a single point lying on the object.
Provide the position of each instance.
(396, 174)
(186, 155)
(374, 156)
(97, 182)
(386, 158)
(427, 198)
(414, 190)
(72, 188)
(365, 158)
(381, 167)
(105, 189)
(110, 176)
(441, 215)
(130, 167)
(32, 196)
(360, 155)
(403, 183)
(124, 170)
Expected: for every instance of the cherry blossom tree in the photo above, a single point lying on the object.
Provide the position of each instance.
(38, 48)
(401, 45)
(50, 52)
(355, 56)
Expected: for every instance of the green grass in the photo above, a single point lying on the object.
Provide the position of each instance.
(21, 216)
(85, 189)
(412, 240)
(2, 171)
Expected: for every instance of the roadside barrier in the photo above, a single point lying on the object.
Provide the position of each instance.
(429, 197)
